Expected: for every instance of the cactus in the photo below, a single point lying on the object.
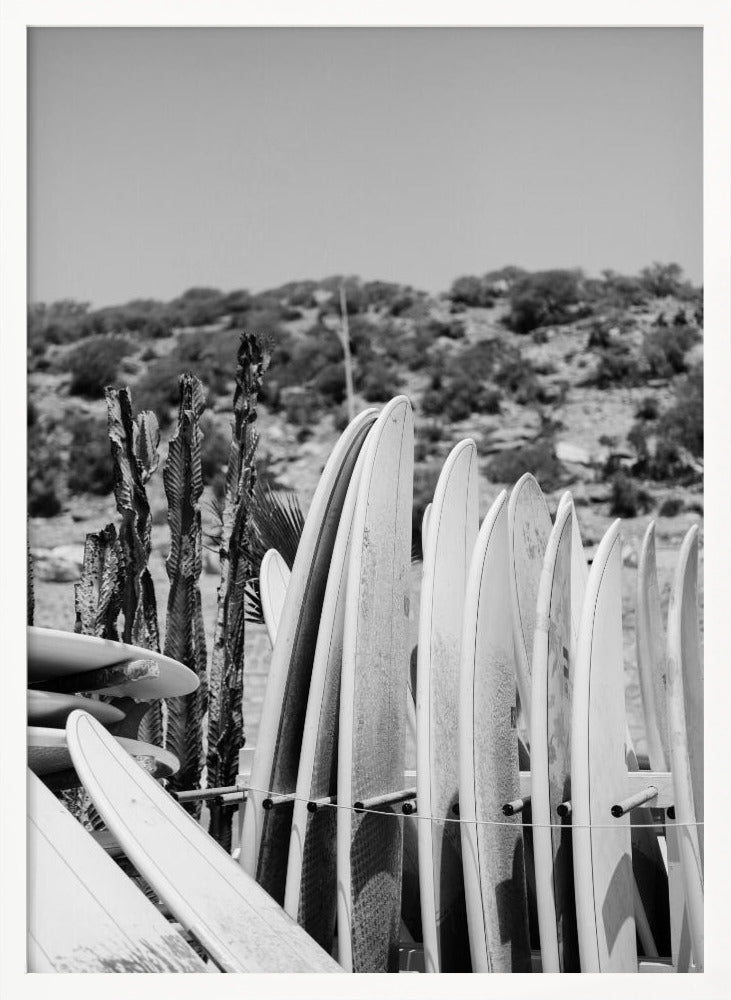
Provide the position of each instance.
(184, 635)
(134, 453)
(225, 716)
(98, 595)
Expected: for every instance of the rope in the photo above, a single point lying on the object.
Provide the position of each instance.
(487, 822)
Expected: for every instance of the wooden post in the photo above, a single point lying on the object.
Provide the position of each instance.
(345, 341)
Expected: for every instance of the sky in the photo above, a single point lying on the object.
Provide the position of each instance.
(163, 158)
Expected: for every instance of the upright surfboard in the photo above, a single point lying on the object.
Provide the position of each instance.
(240, 926)
(602, 847)
(651, 661)
(685, 727)
(492, 856)
(274, 576)
(372, 725)
(450, 540)
(554, 651)
(651, 651)
(84, 913)
(311, 892)
(529, 525)
(265, 834)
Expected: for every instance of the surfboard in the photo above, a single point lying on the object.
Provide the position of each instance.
(84, 913)
(425, 527)
(274, 576)
(265, 833)
(651, 660)
(492, 856)
(602, 846)
(554, 650)
(372, 723)
(311, 890)
(685, 730)
(451, 536)
(529, 525)
(237, 922)
(650, 636)
(48, 753)
(50, 709)
(53, 654)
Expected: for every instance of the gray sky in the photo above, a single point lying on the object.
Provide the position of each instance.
(240, 157)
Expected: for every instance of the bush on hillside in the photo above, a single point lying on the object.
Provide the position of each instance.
(469, 290)
(90, 460)
(543, 298)
(664, 350)
(683, 421)
(94, 364)
(627, 499)
(215, 448)
(538, 458)
(661, 280)
(44, 472)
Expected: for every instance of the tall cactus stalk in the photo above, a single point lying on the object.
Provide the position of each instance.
(135, 457)
(184, 635)
(225, 714)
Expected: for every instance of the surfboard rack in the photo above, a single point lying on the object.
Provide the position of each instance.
(227, 794)
(638, 799)
(379, 802)
(274, 801)
(516, 806)
(327, 800)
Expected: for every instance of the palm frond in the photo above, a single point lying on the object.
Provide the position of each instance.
(277, 523)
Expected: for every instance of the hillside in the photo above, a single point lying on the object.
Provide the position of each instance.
(594, 385)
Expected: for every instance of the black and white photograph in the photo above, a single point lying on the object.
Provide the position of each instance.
(376, 378)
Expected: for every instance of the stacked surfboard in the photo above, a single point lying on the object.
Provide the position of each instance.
(63, 664)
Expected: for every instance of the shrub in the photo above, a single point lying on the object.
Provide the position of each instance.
(616, 367)
(683, 421)
(664, 350)
(158, 388)
(44, 473)
(627, 498)
(215, 448)
(471, 291)
(615, 290)
(378, 383)
(648, 408)
(661, 279)
(671, 507)
(90, 460)
(543, 298)
(94, 364)
(538, 457)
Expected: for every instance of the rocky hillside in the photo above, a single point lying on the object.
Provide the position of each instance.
(594, 385)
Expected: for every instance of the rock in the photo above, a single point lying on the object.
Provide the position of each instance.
(567, 451)
(62, 564)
